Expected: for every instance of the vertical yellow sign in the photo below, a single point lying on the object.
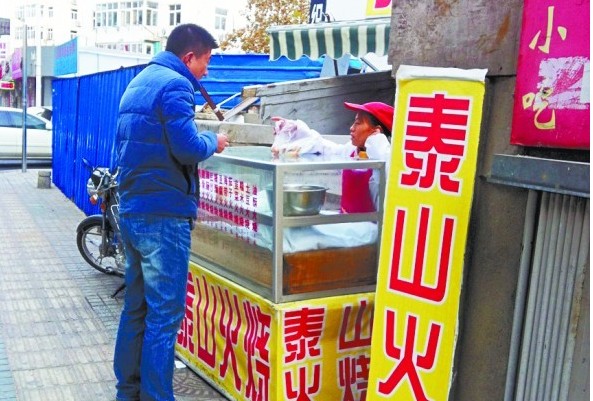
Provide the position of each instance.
(378, 8)
(429, 195)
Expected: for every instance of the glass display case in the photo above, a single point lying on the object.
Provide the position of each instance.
(278, 227)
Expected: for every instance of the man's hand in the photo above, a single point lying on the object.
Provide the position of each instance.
(223, 142)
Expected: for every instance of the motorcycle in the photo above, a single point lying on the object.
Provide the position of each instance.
(98, 237)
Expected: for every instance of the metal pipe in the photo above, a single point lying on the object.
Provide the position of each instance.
(555, 270)
(24, 71)
(579, 261)
(210, 102)
(562, 311)
(542, 315)
(532, 332)
(520, 297)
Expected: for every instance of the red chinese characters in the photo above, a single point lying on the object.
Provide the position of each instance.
(305, 388)
(353, 377)
(353, 369)
(228, 205)
(206, 306)
(256, 342)
(302, 330)
(408, 362)
(435, 142)
(229, 325)
(416, 286)
(434, 149)
(409, 359)
(302, 333)
(214, 310)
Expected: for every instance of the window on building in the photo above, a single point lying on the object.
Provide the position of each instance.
(126, 13)
(73, 34)
(136, 17)
(126, 18)
(50, 34)
(106, 14)
(220, 15)
(50, 12)
(151, 13)
(30, 11)
(150, 17)
(174, 14)
(112, 14)
(74, 14)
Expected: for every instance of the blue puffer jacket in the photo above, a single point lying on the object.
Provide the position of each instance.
(158, 144)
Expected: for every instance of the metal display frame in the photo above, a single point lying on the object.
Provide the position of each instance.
(279, 169)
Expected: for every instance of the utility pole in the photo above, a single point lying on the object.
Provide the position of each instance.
(24, 69)
(38, 76)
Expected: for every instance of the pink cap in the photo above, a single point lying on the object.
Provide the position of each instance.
(381, 111)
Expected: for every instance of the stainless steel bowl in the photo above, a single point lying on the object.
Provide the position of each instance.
(300, 199)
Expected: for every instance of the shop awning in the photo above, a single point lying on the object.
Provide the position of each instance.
(333, 39)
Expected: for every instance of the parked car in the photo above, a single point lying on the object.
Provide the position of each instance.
(41, 111)
(39, 135)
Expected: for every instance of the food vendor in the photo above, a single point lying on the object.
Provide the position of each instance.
(369, 139)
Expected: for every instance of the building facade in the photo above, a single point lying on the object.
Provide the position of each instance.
(109, 34)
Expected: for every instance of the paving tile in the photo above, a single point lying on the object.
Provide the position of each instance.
(57, 318)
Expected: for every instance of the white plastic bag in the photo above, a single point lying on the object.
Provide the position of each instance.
(294, 137)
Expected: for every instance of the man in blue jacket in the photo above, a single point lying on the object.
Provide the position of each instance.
(158, 147)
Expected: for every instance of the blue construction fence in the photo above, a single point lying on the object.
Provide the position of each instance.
(85, 110)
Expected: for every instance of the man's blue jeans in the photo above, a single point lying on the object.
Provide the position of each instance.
(157, 257)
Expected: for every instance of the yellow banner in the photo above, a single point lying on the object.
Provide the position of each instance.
(252, 349)
(429, 195)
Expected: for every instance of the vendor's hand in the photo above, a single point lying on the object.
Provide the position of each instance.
(285, 151)
(223, 142)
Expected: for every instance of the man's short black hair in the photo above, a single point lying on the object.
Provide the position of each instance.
(187, 38)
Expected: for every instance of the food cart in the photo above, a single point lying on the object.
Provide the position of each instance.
(279, 300)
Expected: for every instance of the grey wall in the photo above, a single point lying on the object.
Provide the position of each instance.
(457, 33)
(477, 34)
(320, 102)
(492, 264)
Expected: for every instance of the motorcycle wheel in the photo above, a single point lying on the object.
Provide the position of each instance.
(88, 240)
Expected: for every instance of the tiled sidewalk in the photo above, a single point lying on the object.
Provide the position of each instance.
(7, 391)
(57, 318)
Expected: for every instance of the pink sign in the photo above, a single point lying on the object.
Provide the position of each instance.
(552, 100)
(16, 63)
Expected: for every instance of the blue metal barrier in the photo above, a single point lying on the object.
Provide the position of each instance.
(85, 110)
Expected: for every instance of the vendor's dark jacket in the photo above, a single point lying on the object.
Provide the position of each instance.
(158, 144)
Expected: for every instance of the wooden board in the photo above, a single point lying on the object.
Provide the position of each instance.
(316, 270)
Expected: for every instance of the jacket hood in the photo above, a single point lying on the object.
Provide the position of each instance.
(170, 60)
